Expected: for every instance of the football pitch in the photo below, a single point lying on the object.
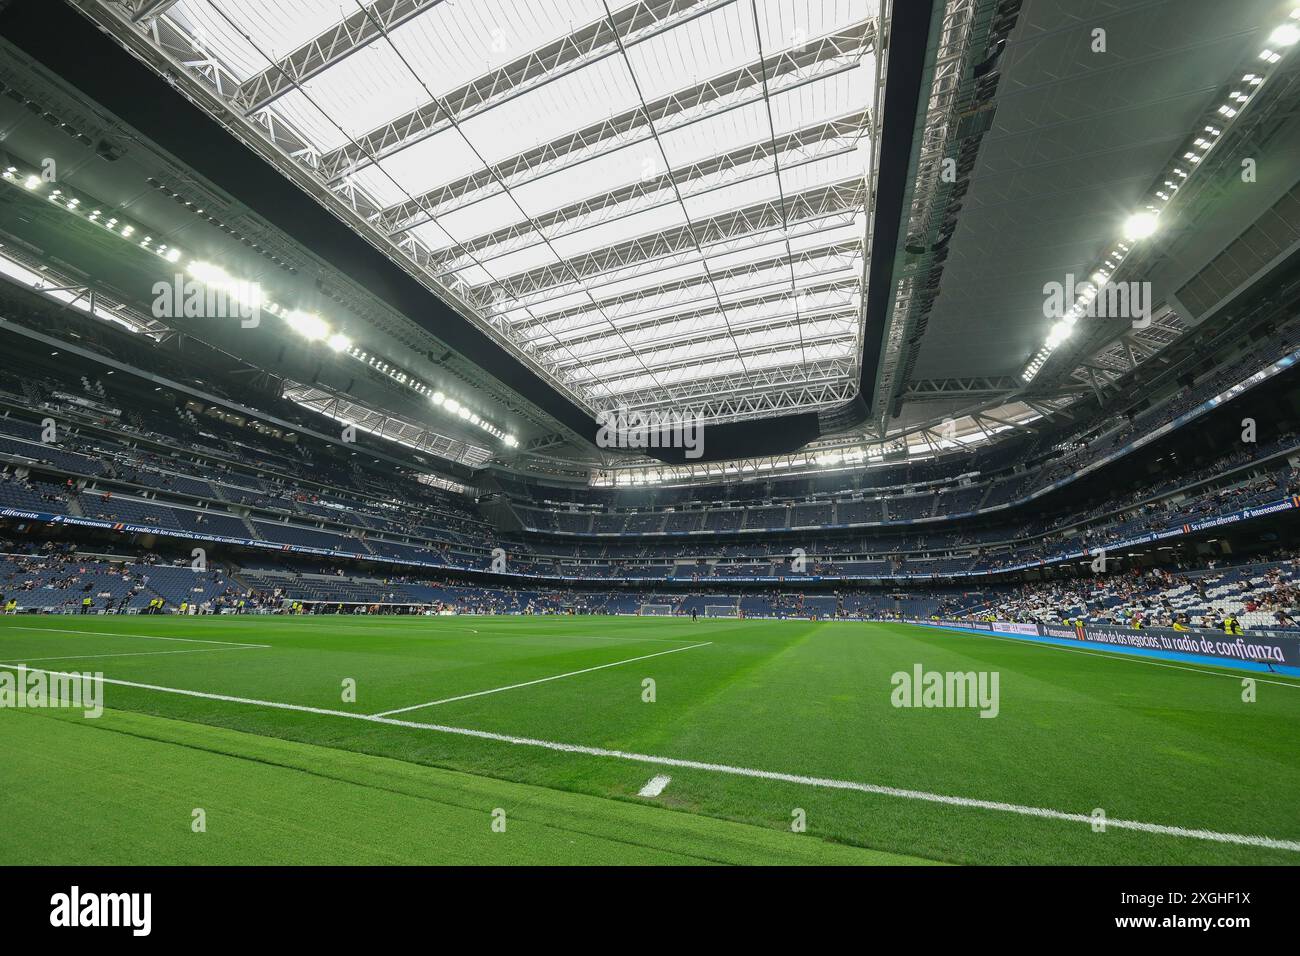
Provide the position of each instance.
(600, 740)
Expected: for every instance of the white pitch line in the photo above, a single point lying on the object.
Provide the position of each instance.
(340, 628)
(503, 633)
(193, 650)
(391, 620)
(143, 637)
(625, 640)
(655, 786)
(1241, 839)
(540, 680)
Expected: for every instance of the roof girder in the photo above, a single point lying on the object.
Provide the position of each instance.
(809, 145)
(840, 256)
(352, 33)
(635, 23)
(808, 206)
(705, 366)
(830, 297)
(819, 59)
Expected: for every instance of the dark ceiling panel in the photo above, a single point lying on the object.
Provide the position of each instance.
(1077, 139)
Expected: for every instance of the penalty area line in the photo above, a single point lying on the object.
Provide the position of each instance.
(1241, 839)
(540, 680)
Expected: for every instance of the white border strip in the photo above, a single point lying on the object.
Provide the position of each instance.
(1240, 839)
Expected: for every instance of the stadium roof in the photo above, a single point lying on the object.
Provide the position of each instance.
(657, 203)
(677, 204)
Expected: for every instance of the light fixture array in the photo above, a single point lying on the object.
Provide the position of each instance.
(1143, 224)
(307, 324)
(910, 448)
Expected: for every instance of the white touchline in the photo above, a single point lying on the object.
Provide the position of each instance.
(332, 628)
(625, 640)
(540, 680)
(192, 650)
(1241, 839)
(523, 641)
(390, 621)
(142, 637)
(655, 786)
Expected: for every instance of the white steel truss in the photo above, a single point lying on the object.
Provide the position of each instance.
(344, 38)
(729, 232)
(749, 314)
(408, 433)
(633, 23)
(1126, 351)
(751, 162)
(677, 294)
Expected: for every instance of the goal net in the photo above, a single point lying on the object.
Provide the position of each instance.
(647, 609)
(721, 610)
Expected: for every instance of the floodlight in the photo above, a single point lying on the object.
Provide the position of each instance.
(1140, 225)
(311, 327)
(1285, 35)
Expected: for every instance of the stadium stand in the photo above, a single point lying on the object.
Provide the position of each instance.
(163, 470)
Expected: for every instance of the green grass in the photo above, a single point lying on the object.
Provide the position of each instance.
(267, 801)
(1163, 745)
